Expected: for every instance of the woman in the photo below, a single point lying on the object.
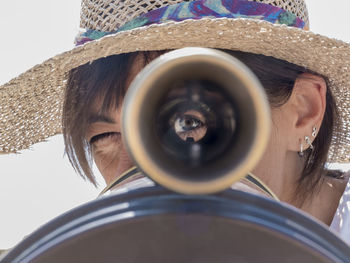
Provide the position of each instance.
(300, 105)
(305, 93)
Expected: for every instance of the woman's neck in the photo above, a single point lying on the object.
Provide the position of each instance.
(280, 173)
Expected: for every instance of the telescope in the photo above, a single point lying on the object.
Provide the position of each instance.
(195, 121)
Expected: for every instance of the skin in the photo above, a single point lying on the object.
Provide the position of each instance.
(279, 167)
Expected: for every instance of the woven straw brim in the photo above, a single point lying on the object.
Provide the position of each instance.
(31, 104)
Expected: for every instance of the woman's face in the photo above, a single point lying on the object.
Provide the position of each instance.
(111, 157)
(104, 134)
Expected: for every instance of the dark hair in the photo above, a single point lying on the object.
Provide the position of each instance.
(102, 79)
(105, 79)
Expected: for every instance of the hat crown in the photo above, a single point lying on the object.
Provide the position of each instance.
(110, 15)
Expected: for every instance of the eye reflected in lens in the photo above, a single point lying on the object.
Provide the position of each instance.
(196, 122)
(190, 126)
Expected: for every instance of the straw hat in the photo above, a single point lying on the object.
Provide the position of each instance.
(31, 104)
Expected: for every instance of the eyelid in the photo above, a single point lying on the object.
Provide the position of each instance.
(195, 114)
(99, 128)
(100, 136)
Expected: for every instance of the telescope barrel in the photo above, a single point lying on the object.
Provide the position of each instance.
(196, 120)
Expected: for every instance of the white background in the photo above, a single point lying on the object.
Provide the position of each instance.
(39, 183)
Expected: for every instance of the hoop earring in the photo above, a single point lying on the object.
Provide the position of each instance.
(301, 153)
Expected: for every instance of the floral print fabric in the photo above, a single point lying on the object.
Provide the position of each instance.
(203, 9)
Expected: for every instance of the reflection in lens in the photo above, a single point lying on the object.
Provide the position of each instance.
(190, 126)
(196, 122)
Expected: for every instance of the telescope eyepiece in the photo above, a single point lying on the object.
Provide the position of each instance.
(195, 120)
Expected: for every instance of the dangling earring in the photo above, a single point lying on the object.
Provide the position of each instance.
(308, 141)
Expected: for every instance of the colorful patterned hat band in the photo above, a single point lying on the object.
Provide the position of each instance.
(200, 9)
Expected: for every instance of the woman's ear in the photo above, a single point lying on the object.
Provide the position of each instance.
(308, 105)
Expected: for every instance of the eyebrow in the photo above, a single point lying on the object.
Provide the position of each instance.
(100, 118)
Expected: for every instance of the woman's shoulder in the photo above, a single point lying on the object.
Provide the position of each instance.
(333, 188)
(341, 219)
(324, 203)
(335, 183)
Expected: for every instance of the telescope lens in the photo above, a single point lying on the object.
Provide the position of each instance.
(195, 122)
(190, 125)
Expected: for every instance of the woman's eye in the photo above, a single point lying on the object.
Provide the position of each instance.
(189, 128)
(186, 123)
(104, 136)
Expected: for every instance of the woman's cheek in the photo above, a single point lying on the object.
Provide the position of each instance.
(107, 159)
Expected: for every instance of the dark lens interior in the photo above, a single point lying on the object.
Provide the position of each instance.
(196, 121)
